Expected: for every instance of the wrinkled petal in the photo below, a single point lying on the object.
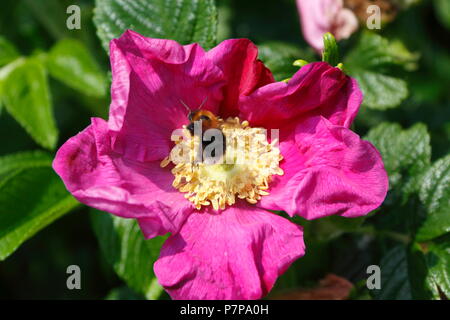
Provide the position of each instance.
(343, 110)
(337, 173)
(102, 179)
(237, 58)
(321, 16)
(152, 78)
(236, 254)
(316, 88)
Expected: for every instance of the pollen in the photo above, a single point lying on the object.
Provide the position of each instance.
(244, 171)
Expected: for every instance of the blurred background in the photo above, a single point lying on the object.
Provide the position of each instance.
(419, 69)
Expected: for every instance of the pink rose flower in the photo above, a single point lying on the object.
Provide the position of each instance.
(237, 250)
(321, 16)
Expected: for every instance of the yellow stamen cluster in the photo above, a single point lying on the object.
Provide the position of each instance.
(245, 171)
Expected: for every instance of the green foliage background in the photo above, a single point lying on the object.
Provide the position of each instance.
(52, 80)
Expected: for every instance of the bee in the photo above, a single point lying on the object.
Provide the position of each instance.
(207, 121)
(207, 118)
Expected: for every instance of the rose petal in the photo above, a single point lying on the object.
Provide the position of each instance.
(316, 88)
(340, 174)
(102, 179)
(293, 162)
(152, 78)
(236, 254)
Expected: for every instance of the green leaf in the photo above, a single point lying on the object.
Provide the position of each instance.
(374, 51)
(371, 63)
(438, 262)
(185, 21)
(406, 153)
(328, 228)
(346, 224)
(8, 52)
(330, 52)
(30, 199)
(50, 14)
(70, 62)
(402, 271)
(279, 58)
(435, 196)
(126, 249)
(381, 91)
(25, 94)
(442, 9)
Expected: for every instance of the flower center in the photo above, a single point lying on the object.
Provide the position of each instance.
(244, 171)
